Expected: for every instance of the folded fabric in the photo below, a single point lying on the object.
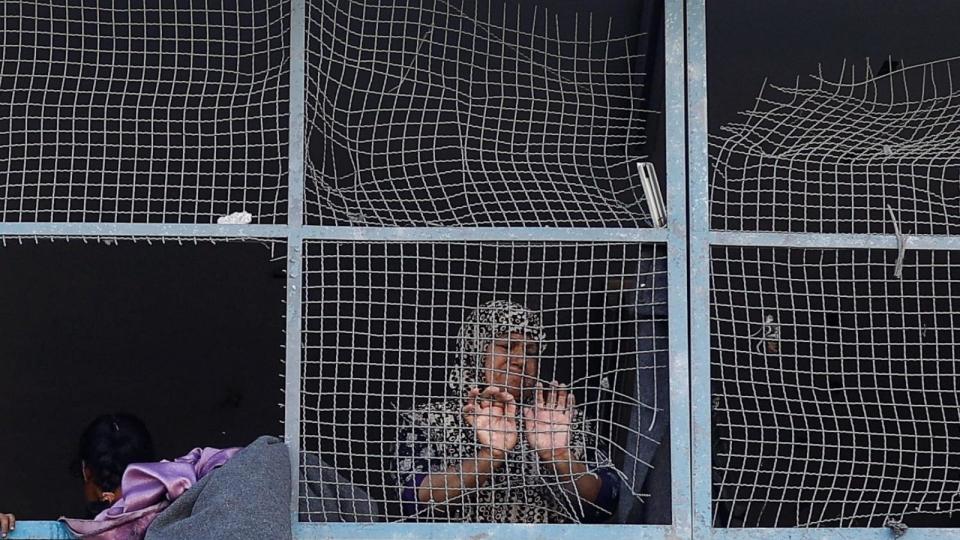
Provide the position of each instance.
(147, 489)
(249, 497)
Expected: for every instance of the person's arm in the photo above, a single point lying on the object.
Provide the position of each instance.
(597, 489)
(584, 485)
(548, 425)
(493, 415)
(469, 474)
(8, 522)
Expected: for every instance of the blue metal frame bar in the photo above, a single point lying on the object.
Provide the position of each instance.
(142, 230)
(479, 531)
(843, 241)
(676, 139)
(699, 267)
(674, 232)
(832, 534)
(295, 190)
(36, 530)
(448, 234)
(313, 232)
(54, 530)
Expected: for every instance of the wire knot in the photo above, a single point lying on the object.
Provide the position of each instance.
(897, 526)
(901, 245)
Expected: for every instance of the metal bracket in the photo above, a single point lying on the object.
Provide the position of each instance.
(651, 190)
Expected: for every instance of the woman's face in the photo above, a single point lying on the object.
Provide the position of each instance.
(511, 363)
(94, 496)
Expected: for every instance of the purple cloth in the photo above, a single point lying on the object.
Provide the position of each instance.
(147, 489)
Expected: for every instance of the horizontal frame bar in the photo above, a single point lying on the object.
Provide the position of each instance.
(878, 533)
(477, 531)
(35, 530)
(443, 234)
(141, 230)
(315, 232)
(840, 241)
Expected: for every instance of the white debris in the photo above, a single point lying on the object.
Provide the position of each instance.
(236, 218)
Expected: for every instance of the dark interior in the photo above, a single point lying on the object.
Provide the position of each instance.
(187, 337)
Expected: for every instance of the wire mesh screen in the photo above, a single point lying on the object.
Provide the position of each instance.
(439, 112)
(834, 387)
(139, 113)
(849, 154)
(394, 344)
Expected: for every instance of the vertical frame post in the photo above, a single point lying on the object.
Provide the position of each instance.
(675, 106)
(295, 248)
(699, 272)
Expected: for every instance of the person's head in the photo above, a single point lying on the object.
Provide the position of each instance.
(499, 345)
(107, 446)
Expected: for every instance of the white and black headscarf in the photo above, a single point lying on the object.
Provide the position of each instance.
(495, 319)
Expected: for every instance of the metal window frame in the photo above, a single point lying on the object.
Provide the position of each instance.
(689, 318)
(295, 233)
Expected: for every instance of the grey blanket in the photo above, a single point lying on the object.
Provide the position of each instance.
(248, 497)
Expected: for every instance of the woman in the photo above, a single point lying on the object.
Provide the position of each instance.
(502, 448)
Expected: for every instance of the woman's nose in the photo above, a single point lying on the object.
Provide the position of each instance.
(518, 363)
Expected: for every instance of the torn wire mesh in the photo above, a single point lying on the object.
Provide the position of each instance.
(381, 340)
(143, 115)
(831, 156)
(834, 387)
(472, 113)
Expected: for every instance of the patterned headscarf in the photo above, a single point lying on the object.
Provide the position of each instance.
(494, 319)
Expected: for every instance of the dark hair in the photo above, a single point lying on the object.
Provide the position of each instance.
(110, 443)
